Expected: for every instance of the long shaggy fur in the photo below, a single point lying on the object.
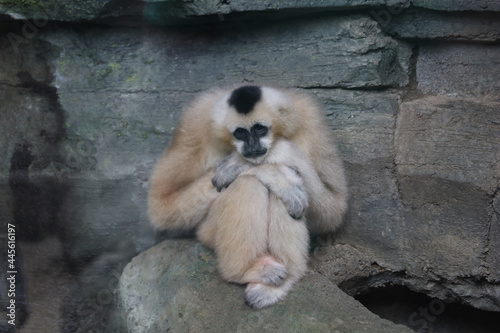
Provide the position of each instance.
(255, 213)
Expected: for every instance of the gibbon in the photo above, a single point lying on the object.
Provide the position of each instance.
(254, 170)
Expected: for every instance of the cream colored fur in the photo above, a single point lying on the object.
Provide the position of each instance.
(259, 225)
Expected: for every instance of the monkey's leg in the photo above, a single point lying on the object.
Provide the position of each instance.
(289, 244)
(237, 227)
(288, 238)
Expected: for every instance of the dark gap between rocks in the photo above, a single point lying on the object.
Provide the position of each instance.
(427, 315)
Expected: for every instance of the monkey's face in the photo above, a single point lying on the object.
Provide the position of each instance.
(253, 143)
(250, 117)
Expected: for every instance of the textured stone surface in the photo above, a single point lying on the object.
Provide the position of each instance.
(364, 124)
(42, 10)
(435, 183)
(108, 209)
(166, 11)
(214, 6)
(459, 5)
(174, 286)
(312, 53)
(169, 11)
(459, 70)
(343, 264)
(451, 139)
(448, 163)
(492, 259)
(427, 24)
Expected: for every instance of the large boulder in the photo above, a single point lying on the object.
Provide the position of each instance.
(174, 286)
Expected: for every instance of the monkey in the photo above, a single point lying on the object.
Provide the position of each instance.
(254, 170)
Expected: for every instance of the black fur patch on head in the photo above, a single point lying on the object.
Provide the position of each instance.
(244, 98)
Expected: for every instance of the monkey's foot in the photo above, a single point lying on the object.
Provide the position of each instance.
(273, 272)
(259, 295)
(267, 270)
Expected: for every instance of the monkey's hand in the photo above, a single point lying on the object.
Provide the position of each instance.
(294, 195)
(228, 169)
(286, 183)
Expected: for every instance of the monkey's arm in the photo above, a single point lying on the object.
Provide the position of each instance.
(278, 178)
(180, 194)
(286, 183)
(324, 184)
(327, 191)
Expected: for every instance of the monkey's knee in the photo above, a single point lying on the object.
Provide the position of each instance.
(207, 232)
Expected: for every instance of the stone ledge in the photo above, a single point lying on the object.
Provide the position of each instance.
(170, 11)
(428, 24)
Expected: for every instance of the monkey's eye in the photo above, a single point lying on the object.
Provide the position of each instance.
(260, 130)
(240, 134)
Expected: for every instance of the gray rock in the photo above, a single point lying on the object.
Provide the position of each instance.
(420, 215)
(374, 221)
(343, 264)
(447, 167)
(100, 214)
(174, 286)
(459, 5)
(364, 124)
(214, 7)
(426, 24)
(164, 11)
(451, 139)
(29, 104)
(493, 261)
(172, 12)
(39, 12)
(459, 70)
(311, 53)
(169, 12)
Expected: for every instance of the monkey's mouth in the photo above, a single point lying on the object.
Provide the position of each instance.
(255, 153)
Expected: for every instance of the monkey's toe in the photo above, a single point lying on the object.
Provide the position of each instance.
(216, 185)
(258, 295)
(273, 274)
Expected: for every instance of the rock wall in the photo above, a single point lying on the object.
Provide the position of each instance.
(92, 90)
